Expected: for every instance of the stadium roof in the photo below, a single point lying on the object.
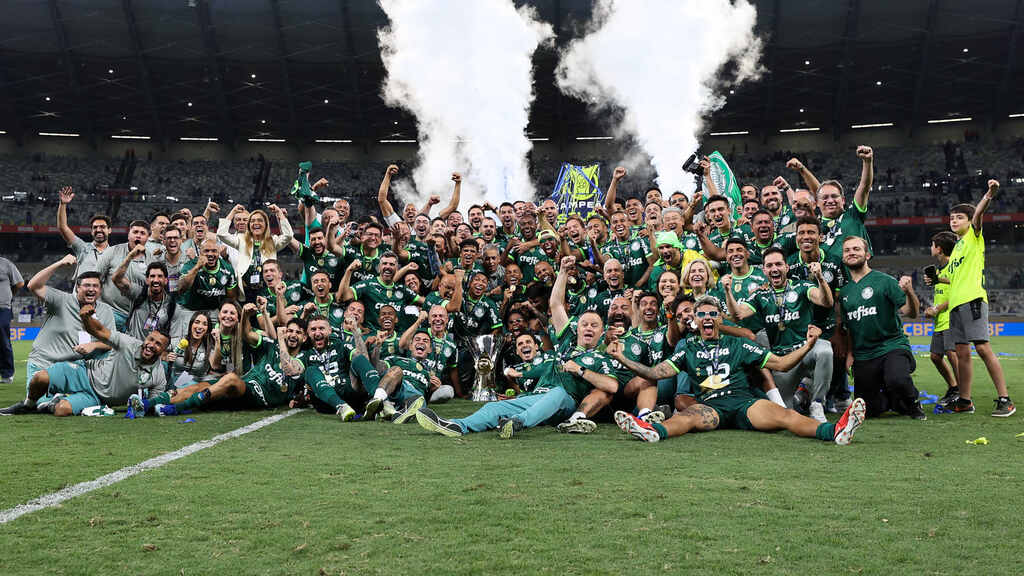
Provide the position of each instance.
(306, 69)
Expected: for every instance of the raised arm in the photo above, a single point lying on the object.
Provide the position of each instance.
(912, 306)
(705, 164)
(289, 365)
(37, 283)
(613, 188)
(386, 209)
(406, 339)
(736, 310)
(556, 302)
(867, 177)
(345, 292)
(224, 225)
(810, 181)
(979, 212)
(287, 234)
(789, 361)
(186, 279)
(120, 277)
(663, 369)
(251, 334)
(453, 205)
(66, 196)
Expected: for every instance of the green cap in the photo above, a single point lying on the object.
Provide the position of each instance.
(669, 239)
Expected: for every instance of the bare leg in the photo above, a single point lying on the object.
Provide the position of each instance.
(768, 416)
(39, 385)
(645, 392)
(995, 369)
(945, 371)
(594, 402)
(696, 417)
(964, 370)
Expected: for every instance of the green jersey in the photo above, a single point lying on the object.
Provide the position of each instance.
(414, 373)
(786, 313)
(528, 260)
(375, 294)
(835, 276)
(967, 269)
(387, 346)
(368, 269)
(565, 351)
(597, 298)
(542, 374)
(647, 347)
(265, 382)
(690, 241)
(443, 356)
(334, 361)
(210, 286)
(871, 312)
(785, 218)
(657, 270)
(312, 263)
(333, 311)
(420, 253)
(477, 317)
(728, 358)
(632, 254)
(942, 297)
(849, 223)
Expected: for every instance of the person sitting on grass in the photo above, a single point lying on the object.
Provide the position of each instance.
(563, 379)
(275, 378)
(723, 397)
(67, 388)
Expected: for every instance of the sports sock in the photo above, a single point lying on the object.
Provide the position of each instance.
(643, 412)
(367, 374)
(826, 431)
(380, 394)
(576, 416)
(194, 401)
(662, 432)
(161, 398)
(775, 396)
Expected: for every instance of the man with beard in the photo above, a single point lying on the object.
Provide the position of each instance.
(368, 253)
(720, 395)
(336, 357)
(763, 237)
(599, 298)
(772, 201)
(488, 231)
(318, 254)
(276, 377)
(838, 221)
(67, 388)
(153, 308)
(375, 292)
(563, 378)
(322, 303)
(443, 358)
(87, 254)
(525, 252)
(107, 263)
(673, 257)
(417, 379)
(421, 251)
(808, 238)
(172, 257)
(871, 304)
(508, 229)
(62, 330)
(787, 308)
(550, 211)
(475, 218)
(206, 281)
(489, 265)
(632, 254)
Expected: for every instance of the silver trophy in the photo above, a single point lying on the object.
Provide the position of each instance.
(485, 355)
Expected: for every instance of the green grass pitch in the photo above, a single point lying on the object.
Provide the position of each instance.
(312, 495)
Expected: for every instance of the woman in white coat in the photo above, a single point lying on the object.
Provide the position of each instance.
(255, 246)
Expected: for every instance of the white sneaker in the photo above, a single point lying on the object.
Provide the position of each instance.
(345, 412)
(817, 411)
(850, 421)
(577, 426)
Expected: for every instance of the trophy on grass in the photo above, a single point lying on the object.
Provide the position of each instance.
(485, 355)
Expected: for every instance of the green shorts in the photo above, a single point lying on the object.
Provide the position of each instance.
(732, 406)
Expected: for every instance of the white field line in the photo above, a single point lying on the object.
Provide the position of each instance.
(55, 498)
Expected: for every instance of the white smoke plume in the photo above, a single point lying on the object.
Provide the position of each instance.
(464, 70)
(661, 62)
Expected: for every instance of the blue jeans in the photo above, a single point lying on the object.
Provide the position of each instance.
(6, 351)
(531, 410)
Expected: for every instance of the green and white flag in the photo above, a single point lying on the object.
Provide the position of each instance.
(724, 181)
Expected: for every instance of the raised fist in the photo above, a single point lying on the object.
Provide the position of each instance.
(619, 173)
(321, 183)
(86, 311)
(865, 153)
(261, 302)
(794, 165)
(780, 183)
(726, 282)
(392, 170)
(813, 332)
(69, 260)
(568, 262)
(993, 187)
(906, 283)
(213, 207)
(456, 177)
(355, 265)
(434, 199)
(814, 268)
(279, 288)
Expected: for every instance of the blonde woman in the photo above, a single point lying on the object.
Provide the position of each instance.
(255, 246)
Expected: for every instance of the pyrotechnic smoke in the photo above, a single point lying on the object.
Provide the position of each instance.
(464, 69)
(661, 62)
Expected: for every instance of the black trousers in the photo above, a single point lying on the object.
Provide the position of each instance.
(885, 383)
(6, 351)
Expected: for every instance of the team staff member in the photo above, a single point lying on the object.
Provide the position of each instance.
(871, 304)
(10, 282)
(968, 302)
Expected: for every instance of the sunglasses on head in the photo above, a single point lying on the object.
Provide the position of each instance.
(707, 314)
